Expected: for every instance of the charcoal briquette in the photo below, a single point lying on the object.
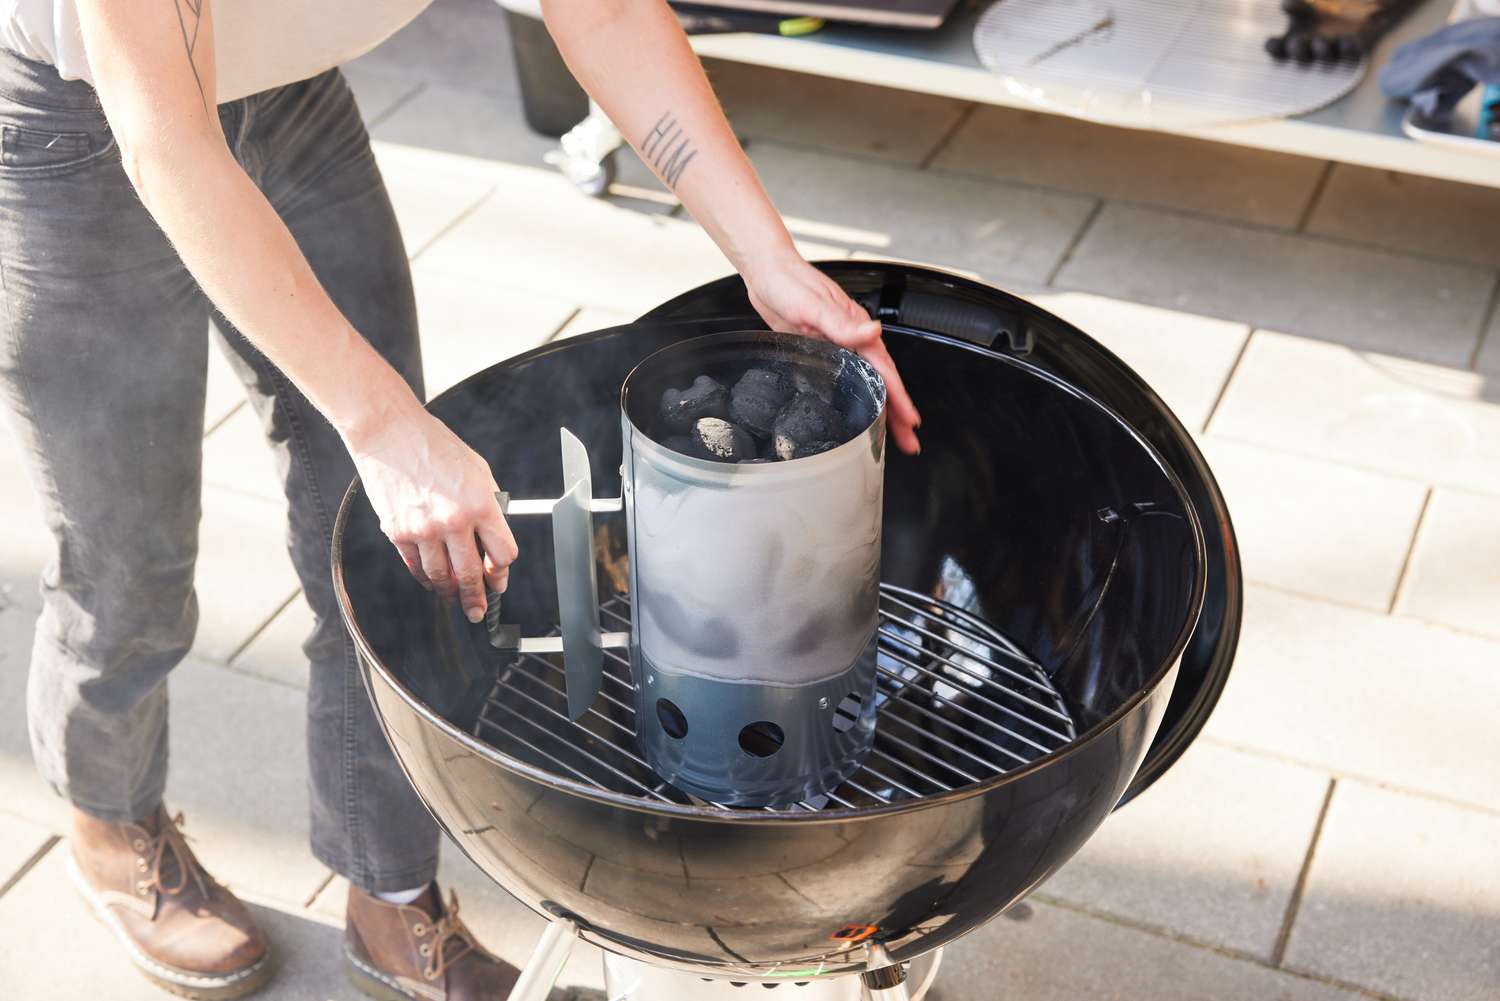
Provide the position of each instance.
(682, 408)
(757, 398)
(682, 443)
(723, 440)
(819, 384)
(803, 421)
(813, 448)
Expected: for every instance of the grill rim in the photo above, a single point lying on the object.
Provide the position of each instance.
(369, 661)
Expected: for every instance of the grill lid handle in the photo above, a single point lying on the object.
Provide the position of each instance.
(583, 640)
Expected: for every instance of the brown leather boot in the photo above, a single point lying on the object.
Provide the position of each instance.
(181, 929)
(419, 951)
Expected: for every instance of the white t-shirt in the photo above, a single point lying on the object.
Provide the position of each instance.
(258, 44)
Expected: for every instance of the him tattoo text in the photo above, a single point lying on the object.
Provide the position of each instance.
(668, 149)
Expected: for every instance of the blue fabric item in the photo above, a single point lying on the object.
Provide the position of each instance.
(1435, 72)
(1489, 115)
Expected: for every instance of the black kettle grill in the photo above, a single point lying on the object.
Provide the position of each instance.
(1060, 604)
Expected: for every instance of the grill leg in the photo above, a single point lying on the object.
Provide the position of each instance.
(548, 958)
(885, 980)
(631, 980)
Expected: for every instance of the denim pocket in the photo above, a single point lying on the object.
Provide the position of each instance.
(43, 151)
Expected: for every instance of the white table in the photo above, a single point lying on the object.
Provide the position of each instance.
(1362, 128)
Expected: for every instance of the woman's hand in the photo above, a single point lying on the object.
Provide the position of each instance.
(795, 297)
(435, 496)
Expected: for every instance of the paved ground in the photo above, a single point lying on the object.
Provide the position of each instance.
(1329, 332)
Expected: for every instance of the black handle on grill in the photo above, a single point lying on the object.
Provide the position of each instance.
(952, 316)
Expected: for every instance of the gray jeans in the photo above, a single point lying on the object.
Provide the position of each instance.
(103, 359)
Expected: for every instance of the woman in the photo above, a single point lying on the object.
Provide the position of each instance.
(168, 161)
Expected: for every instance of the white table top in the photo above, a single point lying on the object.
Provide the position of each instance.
(1362, 128)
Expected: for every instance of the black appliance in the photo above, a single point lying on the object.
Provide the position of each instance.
(1061, 601)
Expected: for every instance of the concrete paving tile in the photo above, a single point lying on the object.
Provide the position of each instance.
(1212, 853)
(1453, 576)
(596, 253)
(591, 318)
(1185, 358)
(1316, 527)
(1429, 423)
(997, 231)
(1403, 897)
(1368, 299)
(1361, 694)
(309, 957)
(25, 794)
(1487, 361)
(1061, 955)
(276, 652)
(466, 122)
(486, 127)
(237, 457)
(865, 255)
(430, 191)
(468, 324)
(1053, 151)
(852, 118)
(20, 841)
(455, 44)
(239, 774)
(377, 90)
(244, 573)
(225, 391)
(1409, 214)
(25, 544)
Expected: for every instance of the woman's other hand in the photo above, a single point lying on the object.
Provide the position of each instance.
(793, 296)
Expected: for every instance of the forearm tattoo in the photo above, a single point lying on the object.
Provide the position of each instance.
(190, 19)
(668, 149)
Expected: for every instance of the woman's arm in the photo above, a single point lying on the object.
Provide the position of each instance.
(633, 58)
(153, 66)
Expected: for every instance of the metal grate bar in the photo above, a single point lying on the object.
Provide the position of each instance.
(606, 695)
(592, 757)
(974, 630)
(841, 801)
(564, 718)
(867, 767)
(989, 702)
(930, 757)
(862, 790)
(937, 718)
(941, 724)
(608, 608)
(913, 769)
(978, 677)
(585, 776)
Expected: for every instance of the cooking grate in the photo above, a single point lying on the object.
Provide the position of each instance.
(957, 703)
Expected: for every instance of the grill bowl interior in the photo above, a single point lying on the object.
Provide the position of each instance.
(1032, 509)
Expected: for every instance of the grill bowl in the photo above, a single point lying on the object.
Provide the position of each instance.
(1033, 508)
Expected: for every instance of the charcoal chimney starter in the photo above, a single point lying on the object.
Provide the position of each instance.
(755, 587)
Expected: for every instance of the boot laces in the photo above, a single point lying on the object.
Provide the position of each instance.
(169, 855)
(446, 929)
